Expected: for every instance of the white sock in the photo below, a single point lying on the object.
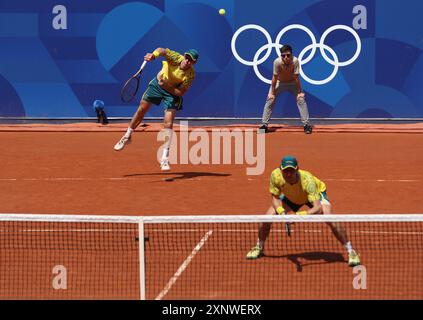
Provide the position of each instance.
(168, 135)
(128, 132)
(165, 154)
(166, 147)
(348, 246)
(260, 243)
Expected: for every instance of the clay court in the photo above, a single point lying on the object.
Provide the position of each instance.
(72, 169)
(50, 170)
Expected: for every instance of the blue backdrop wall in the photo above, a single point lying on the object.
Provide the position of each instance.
(57, 57)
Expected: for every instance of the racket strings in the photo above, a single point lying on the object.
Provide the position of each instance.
(130, 89)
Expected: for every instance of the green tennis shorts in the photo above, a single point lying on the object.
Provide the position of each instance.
(156, 94)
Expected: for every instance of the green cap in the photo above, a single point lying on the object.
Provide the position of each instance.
(289, 162)
(193, 54)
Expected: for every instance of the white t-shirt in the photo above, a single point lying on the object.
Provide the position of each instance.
(285, 73)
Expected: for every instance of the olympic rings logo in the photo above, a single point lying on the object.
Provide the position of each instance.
(313, 46)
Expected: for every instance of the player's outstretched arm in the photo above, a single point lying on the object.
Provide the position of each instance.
(155, 54)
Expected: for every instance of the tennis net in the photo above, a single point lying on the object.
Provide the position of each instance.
(204, 257)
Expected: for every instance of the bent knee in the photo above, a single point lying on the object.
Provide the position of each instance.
(143, 108)
(270, 100)
(168, 125)
(326, 207)
(271, 210)
(301, 100)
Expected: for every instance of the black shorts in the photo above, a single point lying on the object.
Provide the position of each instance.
(295, 207)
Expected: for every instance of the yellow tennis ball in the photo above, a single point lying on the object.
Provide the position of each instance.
(222, 12)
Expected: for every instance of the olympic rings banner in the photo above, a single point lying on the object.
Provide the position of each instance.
(358, 58)
(313, 46)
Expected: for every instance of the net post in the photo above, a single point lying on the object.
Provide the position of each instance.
(141, 244)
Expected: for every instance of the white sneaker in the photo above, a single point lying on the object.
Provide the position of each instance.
(122, 142)
(164, 165)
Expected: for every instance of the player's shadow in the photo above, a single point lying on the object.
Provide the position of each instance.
(273, 129)
(312, 258)
(171, 176)
(269, 130)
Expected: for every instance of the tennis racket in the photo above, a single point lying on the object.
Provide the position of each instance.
(129, 90)
(288, 229)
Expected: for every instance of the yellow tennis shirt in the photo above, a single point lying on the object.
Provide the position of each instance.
(173, 73)
(307, 189)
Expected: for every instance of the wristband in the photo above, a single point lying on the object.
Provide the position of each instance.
(156, 53)
(280, 210)
(301, 213)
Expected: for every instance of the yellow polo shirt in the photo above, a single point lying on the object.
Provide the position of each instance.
(173, 73)
(307, 189)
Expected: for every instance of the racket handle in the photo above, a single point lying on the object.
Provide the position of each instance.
(288, 229)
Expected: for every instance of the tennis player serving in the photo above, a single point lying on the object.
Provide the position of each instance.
(170, 84)
(291, 188)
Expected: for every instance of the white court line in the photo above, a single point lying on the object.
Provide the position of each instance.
(66, 179)
(389, 232)
(183, 266)
(373, 180)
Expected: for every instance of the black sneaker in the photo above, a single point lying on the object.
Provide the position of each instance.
(308, 129)
(263, 129)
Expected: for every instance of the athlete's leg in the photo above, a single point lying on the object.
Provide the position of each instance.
(263, 233)
(302, 107)
(341, 235)
(337, 229)
(139, 114)
(268, 107)
(135, 122)
(169, 117)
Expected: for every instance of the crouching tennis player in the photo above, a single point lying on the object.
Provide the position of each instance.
(292, 188)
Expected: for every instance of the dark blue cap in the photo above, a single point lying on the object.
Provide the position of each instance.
(193, 54)
(289, 162)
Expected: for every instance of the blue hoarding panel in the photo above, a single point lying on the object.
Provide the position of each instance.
(358, 58)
